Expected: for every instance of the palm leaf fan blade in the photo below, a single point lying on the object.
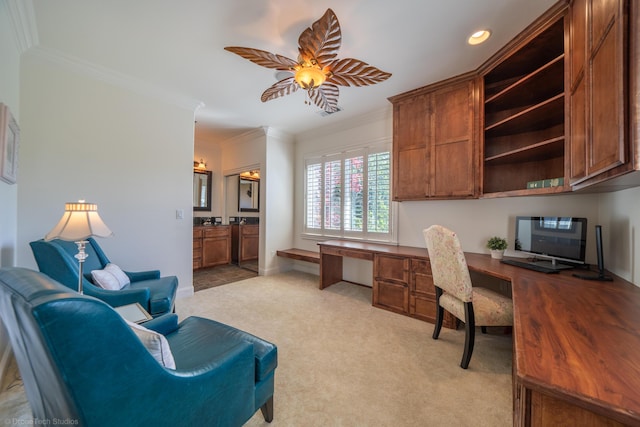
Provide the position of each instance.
(353, 72)
(263, 58)
(278, 89)
(322, 41)
(326, 97)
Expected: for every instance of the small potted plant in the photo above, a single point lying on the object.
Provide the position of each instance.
(497, 245)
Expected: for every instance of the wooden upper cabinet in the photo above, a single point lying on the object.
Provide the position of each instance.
(434, 144)
(599, 91)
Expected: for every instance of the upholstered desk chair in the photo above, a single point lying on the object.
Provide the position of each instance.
(55, 258)
(83, 365)
(454, 291)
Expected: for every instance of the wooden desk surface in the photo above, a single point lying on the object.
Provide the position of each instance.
(576, 340)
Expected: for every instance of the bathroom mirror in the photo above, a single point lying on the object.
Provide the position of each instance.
(248, 194)
(201, 190)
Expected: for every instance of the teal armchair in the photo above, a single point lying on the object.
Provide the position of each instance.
(82, 365)
(55, 258)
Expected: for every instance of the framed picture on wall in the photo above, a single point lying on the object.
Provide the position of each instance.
(9, 138)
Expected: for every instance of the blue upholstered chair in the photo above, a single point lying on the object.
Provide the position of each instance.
(82, 365)
(55, 258)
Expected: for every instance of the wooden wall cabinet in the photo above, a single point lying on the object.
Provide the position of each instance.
(211, 246)
(560, 111)
(598, 90)
(435, 150)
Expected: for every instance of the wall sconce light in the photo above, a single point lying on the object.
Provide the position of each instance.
(199, 165)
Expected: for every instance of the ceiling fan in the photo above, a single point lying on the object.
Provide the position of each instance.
(317, 69)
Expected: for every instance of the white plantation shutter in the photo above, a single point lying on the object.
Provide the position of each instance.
(379, 191)
(332, 194)
(313, 195)
(349, 194)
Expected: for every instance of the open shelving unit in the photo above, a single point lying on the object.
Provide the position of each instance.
(524, 113)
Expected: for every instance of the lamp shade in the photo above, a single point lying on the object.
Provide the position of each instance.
(79, 221)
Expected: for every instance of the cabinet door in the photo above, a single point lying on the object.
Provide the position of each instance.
(607, 87)
(216, 247)
(453, 152)
(598, 89)
(249, 239)
(411, 134)
(577, 90)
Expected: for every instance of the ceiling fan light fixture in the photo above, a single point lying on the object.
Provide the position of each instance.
(479, 37)
(309, 76)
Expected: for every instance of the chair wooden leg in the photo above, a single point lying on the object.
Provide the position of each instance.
(439, 314)
(470, 334)
(483, 329)
(267, 410)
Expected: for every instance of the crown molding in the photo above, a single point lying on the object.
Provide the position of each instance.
(113, 77)
(23, 22)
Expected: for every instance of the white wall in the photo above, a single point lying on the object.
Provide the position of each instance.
(10, 96)
(620, 220)
(277, 231)
(130, 153)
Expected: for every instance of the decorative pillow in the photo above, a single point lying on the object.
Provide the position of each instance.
(156, 343)
(123, 279)
(105, 280)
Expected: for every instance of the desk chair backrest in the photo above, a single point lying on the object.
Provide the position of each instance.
(448, 264)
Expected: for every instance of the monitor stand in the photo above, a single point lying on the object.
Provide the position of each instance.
(552, 264)
(600, 277)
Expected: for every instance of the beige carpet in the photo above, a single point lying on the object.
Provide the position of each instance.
(343, 362)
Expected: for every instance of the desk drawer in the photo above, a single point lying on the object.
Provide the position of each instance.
(391, 296)
(391, 268)
(216, 232)
(424, 308)
(350, 253)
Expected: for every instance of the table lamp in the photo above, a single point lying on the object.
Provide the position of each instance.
(79, 222)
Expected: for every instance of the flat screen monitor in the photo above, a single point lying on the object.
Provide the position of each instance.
(552, 238)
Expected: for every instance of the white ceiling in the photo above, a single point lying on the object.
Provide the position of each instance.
(177, 47)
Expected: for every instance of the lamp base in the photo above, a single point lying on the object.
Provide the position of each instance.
(81, 256)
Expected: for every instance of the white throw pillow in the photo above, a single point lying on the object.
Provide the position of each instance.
(105, 280)
(123, 279)
(156, 343)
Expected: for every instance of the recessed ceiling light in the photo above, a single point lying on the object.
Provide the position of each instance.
(479, 37)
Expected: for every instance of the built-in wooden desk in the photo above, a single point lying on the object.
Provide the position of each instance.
(576, 342)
